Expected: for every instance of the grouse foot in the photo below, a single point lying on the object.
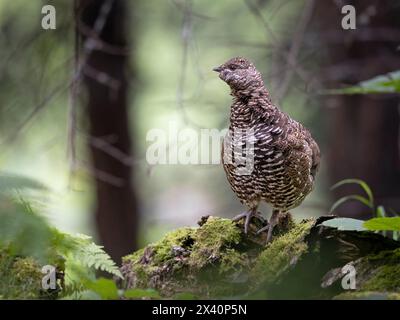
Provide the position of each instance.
(247, 215)
(270, 227)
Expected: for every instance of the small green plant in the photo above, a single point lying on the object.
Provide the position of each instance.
(381, 84)
(82, 258)
(381, 222)
(368, 200)
(25, 233)
(27, 242)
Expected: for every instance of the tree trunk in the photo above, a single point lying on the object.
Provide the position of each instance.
(107, 113)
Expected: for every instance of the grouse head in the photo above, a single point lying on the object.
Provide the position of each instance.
(240, 74)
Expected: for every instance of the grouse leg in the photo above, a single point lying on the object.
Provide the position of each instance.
(270, 227)
(248, 215)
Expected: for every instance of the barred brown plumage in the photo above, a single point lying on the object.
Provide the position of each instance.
(284, 157)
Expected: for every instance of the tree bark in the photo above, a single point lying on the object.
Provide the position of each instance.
(105, 78)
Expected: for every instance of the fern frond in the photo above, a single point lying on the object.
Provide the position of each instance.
(82, 250)
(94, 256)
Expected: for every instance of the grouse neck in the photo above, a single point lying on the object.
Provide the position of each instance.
(247, 109)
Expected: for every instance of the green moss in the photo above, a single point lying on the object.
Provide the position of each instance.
(214, 260)
(217, 260)
(214, 240)
(26, 269)
(367, 295)
(216, 232)
(159, 261)
(134, 256)
(380, 272)
(20, 278)
(389, 256)
(233, 261)
(203, 258)
(394, 296)
(282, 252)
(163, 250)
(385, 278)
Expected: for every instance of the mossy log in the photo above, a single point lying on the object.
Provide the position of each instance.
(21, 278)
(304, 261)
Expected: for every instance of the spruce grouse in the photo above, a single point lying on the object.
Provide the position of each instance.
(267, 156)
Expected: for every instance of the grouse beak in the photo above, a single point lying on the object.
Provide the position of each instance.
(217, 69)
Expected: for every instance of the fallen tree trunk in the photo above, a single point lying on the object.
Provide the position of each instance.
(304, 261)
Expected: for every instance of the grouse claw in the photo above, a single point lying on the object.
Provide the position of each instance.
(247, 215)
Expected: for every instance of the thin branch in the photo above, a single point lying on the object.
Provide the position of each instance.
(186, 34)
(20, 48)
(80, 67)
(99, 44)
(100, 174)
(104, 79)
(256, 12)
(182, 6)
(297, 40)
(275, 41)
(108, 148)
(71, 122)
(59, 89)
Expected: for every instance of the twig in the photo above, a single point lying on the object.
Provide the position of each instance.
(108, 148)
(90, 44)
(297, 40)
(103, 78)
(60, 88)
(99, 44)
(101, 175)
(186, 33)
(182, 6)
(275, 42)
(71, 122)
(186, 42)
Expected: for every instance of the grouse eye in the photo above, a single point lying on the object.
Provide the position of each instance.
(233, 67)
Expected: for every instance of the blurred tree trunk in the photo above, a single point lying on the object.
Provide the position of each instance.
(364, 129)
(107, 113)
